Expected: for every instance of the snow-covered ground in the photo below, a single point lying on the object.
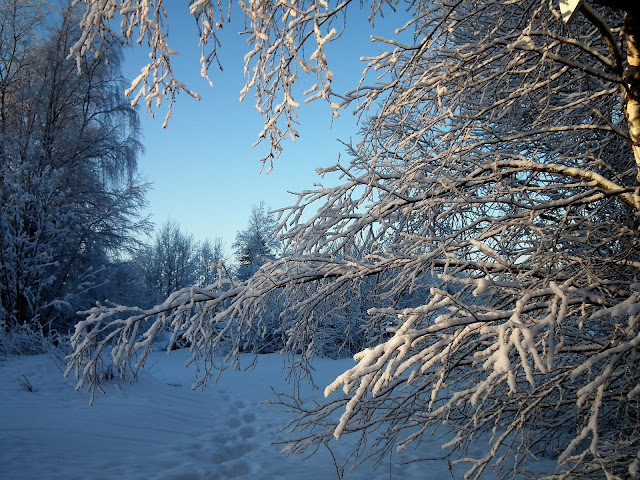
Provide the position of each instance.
(158, 428)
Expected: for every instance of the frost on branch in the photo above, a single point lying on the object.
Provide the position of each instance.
(489, 214)
(286, 41)
(142, 22)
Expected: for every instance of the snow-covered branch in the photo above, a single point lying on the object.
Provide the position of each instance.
(483, 239)
(285, 41)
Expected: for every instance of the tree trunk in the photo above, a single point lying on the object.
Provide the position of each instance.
(632, 79)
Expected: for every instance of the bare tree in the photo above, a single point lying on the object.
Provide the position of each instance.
(211, 255)
(496, 189)
(172, 262)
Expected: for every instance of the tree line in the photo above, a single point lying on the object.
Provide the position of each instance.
(72, 228)
(174, 259)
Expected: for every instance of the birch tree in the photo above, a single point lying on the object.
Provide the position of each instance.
(172, 260)
(495, 186)
(68, 150)
(210, 255)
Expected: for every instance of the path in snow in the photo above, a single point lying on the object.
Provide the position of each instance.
(158, 428)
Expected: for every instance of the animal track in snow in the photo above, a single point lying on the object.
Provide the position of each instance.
(222, 449)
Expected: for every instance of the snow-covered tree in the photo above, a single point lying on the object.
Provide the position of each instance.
(68, 150)
(210, 256)
(171, 260)
(257, 243)
(496, 189)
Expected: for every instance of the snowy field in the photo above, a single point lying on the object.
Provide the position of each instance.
(158, 428)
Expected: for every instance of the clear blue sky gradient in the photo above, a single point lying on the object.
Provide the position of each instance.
(204, 172)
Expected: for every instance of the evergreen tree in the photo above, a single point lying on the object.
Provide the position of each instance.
(257, 243)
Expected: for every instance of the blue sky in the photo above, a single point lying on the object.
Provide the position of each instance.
(204, 171)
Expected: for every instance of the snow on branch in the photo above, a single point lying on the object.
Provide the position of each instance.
(285, 40)
(120, 335)
(482, 241)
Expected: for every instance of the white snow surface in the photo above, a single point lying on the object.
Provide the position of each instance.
(158, 428)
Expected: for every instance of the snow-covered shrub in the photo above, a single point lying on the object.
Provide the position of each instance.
(30, 339)
(27, 339)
